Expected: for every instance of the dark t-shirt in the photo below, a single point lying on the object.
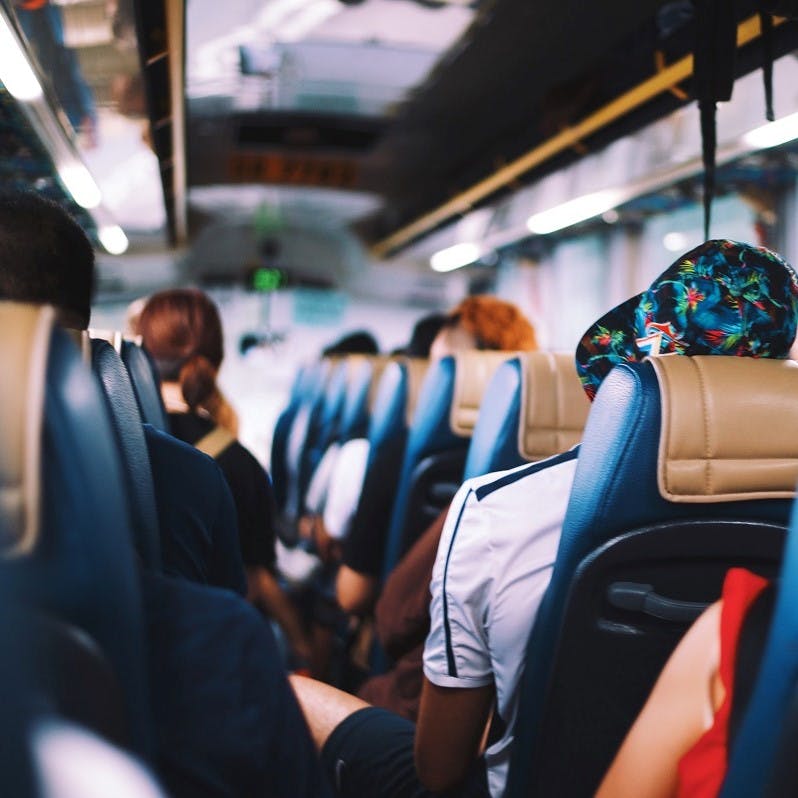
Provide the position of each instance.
(250, 486)
(228, 724)
(196, 514)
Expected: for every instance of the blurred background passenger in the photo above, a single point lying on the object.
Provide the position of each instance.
(478, 322)
(182, 331)
(360, 342)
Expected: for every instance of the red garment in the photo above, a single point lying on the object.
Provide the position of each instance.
(703, 768)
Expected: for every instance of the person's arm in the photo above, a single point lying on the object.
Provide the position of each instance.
(402, 612)
(355, 591)
(678, 711)
(450, 733)
(265, 592)
(458, 690)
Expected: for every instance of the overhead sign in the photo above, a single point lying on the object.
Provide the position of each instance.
(248, 167)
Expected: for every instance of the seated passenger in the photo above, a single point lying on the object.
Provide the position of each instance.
(680, 742)
(182, 331)
(227, 723)
(478, 322)
(501, 537)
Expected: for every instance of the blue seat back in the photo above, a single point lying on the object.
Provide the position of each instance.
(145, 385)
(618, 506)
(767, 732)
(126, 421)
(364, 375)
(446, 413)
(534, 407)
(76, 563)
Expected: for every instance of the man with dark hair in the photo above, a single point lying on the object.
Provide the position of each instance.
(227, 722)
(39, 243)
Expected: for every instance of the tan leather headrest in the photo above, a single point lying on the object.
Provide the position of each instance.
(729, 428)
(24, 348)
(473, 370)
(554, 405)
(378, 364)
(416, 371)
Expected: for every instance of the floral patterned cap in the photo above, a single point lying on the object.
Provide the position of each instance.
(721, 298)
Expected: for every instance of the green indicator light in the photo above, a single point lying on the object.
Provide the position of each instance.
(266, 280)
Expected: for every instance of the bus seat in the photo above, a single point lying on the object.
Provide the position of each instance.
(363, 378)
(667, 496)
(534, 407)
(126, 420)
(762, 759)
(278, 467)
(395, 401)
(437, 444)
(145, 385)
(67, 542)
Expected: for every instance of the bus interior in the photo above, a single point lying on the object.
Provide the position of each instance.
(322, 167)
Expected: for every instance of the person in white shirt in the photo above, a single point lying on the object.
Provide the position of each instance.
(500, 542)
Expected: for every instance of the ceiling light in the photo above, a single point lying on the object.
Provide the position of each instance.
(675, 242)
(572, 212)
(306, 20)
(80, 184)
(113, 238)
(773, 133)
(16, 73)
(454, 257)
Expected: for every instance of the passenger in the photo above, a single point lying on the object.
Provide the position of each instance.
(478, 322)
(680, 742)
(182, 331)
(500, 540)
(227, 723)
(360, 342)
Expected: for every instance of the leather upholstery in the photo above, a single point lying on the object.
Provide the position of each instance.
(27, 341)
(494, 444)
(473, 372)
(763, 754)
(145, 385)
(554, 406)
(719, 445)
(615, 495)
(416, 368)
(81, 569)
(124, 413)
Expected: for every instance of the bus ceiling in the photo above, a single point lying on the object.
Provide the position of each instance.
(394, 119)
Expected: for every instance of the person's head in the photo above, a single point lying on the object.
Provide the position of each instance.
(425, 331)
(721, 298)
(359, 342)
(45, 257)
(182, 331)
(484, 322)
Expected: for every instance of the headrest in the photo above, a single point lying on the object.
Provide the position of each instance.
(378, 364)
(416, 371)
(473, 370)
(554, 406)
(24, 349)
(113, 337)
(729, 428)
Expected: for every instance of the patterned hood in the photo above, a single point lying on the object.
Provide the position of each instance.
(721, 298)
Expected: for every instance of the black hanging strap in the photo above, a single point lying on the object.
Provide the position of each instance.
(766, 26)
(713, 72)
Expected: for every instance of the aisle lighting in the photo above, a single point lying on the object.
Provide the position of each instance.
(773, 133)
(572, 212)
(113, 238)
(80, 184)
(16, 73)
(452, 258)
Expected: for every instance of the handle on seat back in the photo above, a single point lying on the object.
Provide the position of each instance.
(642, 598)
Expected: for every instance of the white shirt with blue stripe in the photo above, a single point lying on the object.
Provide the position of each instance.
(493, 566)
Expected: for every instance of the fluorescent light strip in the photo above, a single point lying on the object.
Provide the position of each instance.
(16, 72)
(574, 211)
(113, 238)
(80, 184)
(452, 258)
(774, 133)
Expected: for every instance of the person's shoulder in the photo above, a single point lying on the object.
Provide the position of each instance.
(501, 485)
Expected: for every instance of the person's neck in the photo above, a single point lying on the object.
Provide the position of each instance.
(173, 399)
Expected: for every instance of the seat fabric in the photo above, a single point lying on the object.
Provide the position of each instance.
(145, 385)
